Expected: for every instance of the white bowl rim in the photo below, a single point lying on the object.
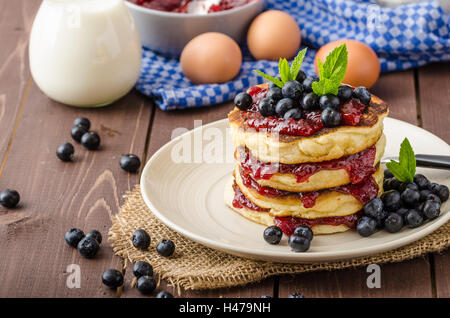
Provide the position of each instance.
(193, 15)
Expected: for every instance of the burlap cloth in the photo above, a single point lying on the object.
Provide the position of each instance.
(194, 266)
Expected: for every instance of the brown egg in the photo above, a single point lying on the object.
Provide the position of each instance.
(211, 58)
(273, 34)
(363, 67)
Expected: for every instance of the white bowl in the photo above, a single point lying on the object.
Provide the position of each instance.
(169, 32)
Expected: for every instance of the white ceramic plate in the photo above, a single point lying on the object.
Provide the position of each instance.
(188, 198)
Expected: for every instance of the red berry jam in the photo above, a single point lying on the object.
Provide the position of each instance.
(351, 112)
(182, 6)
(289, 224)
(240, 201)
(358, 166)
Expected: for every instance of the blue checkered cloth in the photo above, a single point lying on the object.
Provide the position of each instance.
(403, 37)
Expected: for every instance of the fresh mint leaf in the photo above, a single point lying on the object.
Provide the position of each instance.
(285, 72)
(296, 63)
(405, 169)
(274, 80)
(398, 171)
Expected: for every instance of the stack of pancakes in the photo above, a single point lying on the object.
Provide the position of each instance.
(322, 180)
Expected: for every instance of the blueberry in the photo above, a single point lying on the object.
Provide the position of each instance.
(373, 208)
(330, 117)
(304, 231)
(95, 235)
(65, 151)
(431, 209)
(275, 93)
(310, 101)
(362, 94)
(296, 295)
(395, 184)
(301, 76)
(443, 193)
(273, 234)
(410, 197)
(434, 187)
(292, 89)
(344, 93)
(141, 268)
(77, 132)
(413, 218)
(272, 84)
(433, 197)
(393, 223)
(387, 184)
(165, 248)
(243, 101)
(402, 212)
(9, 198)
(293, 113)
(73, 237)
(408, 185)
(267, 107)
(307, 83)
(130, 163)
(83, 122)
(164, 294)
(146, 285)
(90, 140)
(88, 247)
(391, 200)
(424, 194)
(421, 181)
(299, 243)
(388, 174)
(141, 239)
(283, 106)
(366, 226)
(380, 218)
(112, 278)
(329, 101)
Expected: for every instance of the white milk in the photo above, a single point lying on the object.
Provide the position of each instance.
(84, 52)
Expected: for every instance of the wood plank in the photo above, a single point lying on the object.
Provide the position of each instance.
(434, 87)
(398, 90)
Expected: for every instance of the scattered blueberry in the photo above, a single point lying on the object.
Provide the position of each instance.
(267, 107)
(141, 268)
(9, 198)
(391, 200)
(296, 295)
(373, 208)
(141, 239)
(431, 209)
(362, 94)
(294, 113)
(443, 193)
(83, 122)
(307, 83)
(130, 163)
(283, 106)
(413, 218)
(88, 247)
(90, 140)
(421, 181)
(330, 117)
(112, 278)
(299, 243)
(273, 234)
(146, 285)
(73, 237)
(310, 101)
(344, 93)
(65, 151)
(304, 231)
(274, 93)
(164, 294)
(77, 132)
(329, 101)
(301, 76)
(410, 197)
(393, 223)
(292, 89)
(243, 101)
(95, 235)
(366, 226)
(165, 248)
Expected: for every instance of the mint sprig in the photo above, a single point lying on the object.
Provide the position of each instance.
(332, 72)
(287, 73)
(405, 169)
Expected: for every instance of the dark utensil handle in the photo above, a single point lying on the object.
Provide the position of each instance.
(433, 161)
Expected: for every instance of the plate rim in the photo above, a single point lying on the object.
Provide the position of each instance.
(283, 256)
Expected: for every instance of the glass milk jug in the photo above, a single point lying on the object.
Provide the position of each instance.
(84, 53)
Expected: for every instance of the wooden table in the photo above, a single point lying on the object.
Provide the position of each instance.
(86, 193)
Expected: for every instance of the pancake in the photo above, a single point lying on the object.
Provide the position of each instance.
(266, 219)
(328, 203)
(321, 179)
(325, 144)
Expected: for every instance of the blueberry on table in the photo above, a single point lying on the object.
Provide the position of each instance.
(362, 94)
(77, 132)
(130, 163)
(83, 122)
(431, 209)
(275, 93)
(393, 223)
(443, 193)
(344, 93)
(141, 239)
(304, 231)
(329, 101)
(366, 226)
(310, 102)
(373, 208)
(73, 237)
(243, 101)
(296, 295)
(299, 243)
(165, 248)
(95, 235)
(391, 200)
(273, 234)
(112, 278)
(388, 174)
(307, 83)
(146, 285)
(65, 151)
(413, 218)
(164, 294)
(90, 140)
(410, 197)
(283, 105)
(9, 198)
(292, 89)
(267, 107)
(301, 76)
(294, 113)
(142, 268)
(88, 247)
(330, 117)
(421, 181)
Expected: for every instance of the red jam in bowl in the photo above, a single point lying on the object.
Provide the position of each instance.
(182, 6)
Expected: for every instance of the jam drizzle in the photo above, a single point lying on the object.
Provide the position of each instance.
(240, 201)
